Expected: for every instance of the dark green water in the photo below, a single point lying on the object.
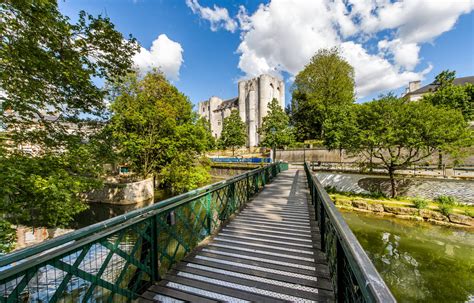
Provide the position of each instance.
(420, 262)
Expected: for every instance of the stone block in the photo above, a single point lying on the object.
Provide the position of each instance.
(359, 204)
(429, 214)
(401, 210)
(378, 208)
(461, 219)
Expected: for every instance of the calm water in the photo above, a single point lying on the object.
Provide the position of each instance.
(420, 262)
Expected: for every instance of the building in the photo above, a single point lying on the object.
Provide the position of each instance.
(252, 103)
(414, 92)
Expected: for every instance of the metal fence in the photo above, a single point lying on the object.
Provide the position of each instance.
(241, 160)
(354, 277)
(117, 259)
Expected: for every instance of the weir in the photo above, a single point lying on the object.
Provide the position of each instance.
(261, 236)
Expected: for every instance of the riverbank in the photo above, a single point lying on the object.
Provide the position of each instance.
(460, 216)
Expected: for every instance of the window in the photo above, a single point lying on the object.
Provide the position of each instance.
(219, 123)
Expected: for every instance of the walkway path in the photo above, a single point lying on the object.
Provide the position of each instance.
(268, 253)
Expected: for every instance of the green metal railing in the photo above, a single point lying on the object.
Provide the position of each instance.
(353, 275)
(117, 259)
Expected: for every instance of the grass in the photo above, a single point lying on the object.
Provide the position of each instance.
(445, 204)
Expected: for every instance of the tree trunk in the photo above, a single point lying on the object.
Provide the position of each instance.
(440, 159)
(233, 151)
(393, 183)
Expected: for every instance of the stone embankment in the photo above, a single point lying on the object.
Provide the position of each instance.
(428, 188)
(123, 193)
(409, 213)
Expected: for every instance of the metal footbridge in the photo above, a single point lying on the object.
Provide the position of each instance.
(269, 235)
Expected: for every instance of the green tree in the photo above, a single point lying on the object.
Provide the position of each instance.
(233, 133)
(401, 133)
(48, 100)
(340, 128)
(275, 131)
(324, 85)
(47, 68)
(46, 190)
(459, 97)
(156, 131)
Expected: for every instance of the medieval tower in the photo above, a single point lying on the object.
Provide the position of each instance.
(252, 103)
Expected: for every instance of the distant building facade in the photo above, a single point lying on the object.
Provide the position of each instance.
(252, 103)
(415, 92)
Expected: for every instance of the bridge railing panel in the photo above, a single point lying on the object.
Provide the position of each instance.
(354, 276)
(118, 259)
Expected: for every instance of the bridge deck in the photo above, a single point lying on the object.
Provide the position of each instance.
(270, 252)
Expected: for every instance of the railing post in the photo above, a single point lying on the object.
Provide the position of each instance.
(322, 226)
(248, 187)
(255, 183)
(232, 199)
(339, 271)
(208, 213)
(155, 271)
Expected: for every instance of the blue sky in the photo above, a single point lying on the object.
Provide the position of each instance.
(204, 47)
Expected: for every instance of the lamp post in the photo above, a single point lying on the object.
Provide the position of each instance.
(273, 131)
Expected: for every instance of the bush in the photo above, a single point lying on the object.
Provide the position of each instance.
(446, 200)
(420, 203)
(445, 209)
(469, 213)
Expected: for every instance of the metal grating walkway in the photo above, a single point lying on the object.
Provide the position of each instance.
(270, 252)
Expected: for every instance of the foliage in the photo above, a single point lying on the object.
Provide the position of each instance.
(155, 129)
(340, 128)
(420, 203)
(275, 129)
(233, 133)
(182, 176)
(469, 213)
(445, 209)
(445, 78)
(401, 133)
(7, 237)
(47, 68)
(446, 200)
(46, 190)
(323, 87)
(459, 97)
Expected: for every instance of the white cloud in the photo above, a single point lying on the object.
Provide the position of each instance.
(217, 16)
(375, 73)
(405, 55)
(164, 54)
(282, 35)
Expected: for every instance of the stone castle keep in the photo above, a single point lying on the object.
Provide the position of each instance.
(252, 103)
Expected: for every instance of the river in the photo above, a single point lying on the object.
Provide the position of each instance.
(420, 262)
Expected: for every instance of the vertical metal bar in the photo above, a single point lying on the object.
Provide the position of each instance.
(339, 271)
(155, 271)
(322, 226)
(232, 199)
(247, 187)
(208, 213)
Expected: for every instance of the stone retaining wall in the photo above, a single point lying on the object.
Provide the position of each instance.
(409, 213)
(428, 188)
(123, 193)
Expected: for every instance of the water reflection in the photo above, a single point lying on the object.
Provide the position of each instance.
(420, 262)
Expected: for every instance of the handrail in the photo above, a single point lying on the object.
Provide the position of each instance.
(131, 251)
(89, 230)
(347, 248)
